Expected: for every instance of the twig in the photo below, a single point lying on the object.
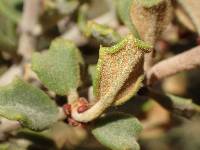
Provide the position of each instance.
(30, 16)
(10, 74)
(181, 106)
(8, 125)
(185, 61)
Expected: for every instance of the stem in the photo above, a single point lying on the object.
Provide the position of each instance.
(72, 96)
(185, 61)
(30, 17)
(182, 106)
(104, 102)
(8, 125)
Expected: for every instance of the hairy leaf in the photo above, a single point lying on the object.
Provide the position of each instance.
(150, 17)
(118, 131)
(122, 63)
(102, 33)
(59, 67)
(27, 104)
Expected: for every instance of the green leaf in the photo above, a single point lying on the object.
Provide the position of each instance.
(9, 12)
(118, 131)
(123, 9)
(102, 33)
(4, 146)
(27, 104)
(121, 64)
(59, 67)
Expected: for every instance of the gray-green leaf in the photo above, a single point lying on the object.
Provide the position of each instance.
(59, 67)
(27, 104)
(118, 131)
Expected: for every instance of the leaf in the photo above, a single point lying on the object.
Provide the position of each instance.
(191, 7)
(120, 69)
(9, 12)
(123, 9)
(102, 33)
(59, 67)
(118, 131)
(27, 104)
(150, 18)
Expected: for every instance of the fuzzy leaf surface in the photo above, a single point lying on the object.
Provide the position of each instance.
(59, 67)
(32, 107)
(118, 131)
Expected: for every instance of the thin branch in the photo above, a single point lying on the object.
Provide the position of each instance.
(10, 74)
(181, 106)
(8, 125)
(182, 62)
(30, 16)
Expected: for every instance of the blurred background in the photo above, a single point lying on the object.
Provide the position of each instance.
(59, 18)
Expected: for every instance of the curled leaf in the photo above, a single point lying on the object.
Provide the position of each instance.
(120, 63)
(118, 76)
(102, 33)
(27, 104)
(59, 67)
(150, 17)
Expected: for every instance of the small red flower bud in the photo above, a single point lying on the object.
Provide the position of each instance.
(73, 122)
(82, 108)
(67, 109)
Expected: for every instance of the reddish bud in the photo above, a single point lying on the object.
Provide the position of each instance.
(73, 122)
(82, 108)
(67, 109)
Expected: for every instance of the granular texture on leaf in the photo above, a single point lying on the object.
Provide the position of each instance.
(120, 63)
(27, 104)
(104, 34)
(59, 67)
(150, 17)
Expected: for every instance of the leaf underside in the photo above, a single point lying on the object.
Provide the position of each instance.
(112, 61)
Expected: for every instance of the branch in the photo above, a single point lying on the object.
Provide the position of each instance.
(8, 125)
(30, 17)
(182, 62)
(178, 105)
